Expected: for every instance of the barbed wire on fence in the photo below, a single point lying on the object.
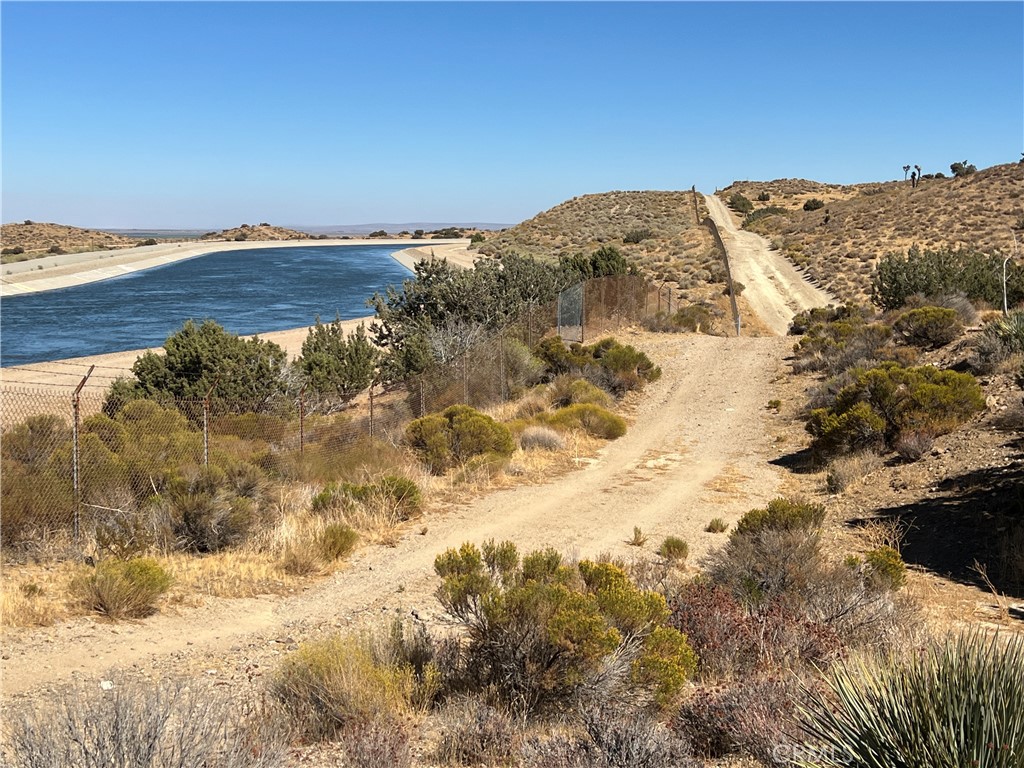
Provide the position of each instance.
(70, 454)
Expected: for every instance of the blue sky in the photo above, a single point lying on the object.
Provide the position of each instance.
(213, 114)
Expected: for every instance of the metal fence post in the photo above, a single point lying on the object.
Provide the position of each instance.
(302, 419)
(371, 410)
(503, 384)
(76, 481)
(206, 423)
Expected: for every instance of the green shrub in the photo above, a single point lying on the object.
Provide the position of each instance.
(814, 204)
(763, 197)
(960, 702)
(740, 204)
(665, 665)
(205, 515)
(781, 515)
(674, 548)
(837, 339)
(696, 318)
(243, 374)
(616, 367)
(15, 251)
(592, 419)
(717, 525)
(566, 390)
(945, 272)
(928, 327)
(541, 631)
(457, 434)
(886, 567)
(629, 367)
(858, 428)
(762, 213)
(638, 235)
(122, 589)
(884, 402)
(477, 237)
(962, 169)
(336, 541)
(335, 364)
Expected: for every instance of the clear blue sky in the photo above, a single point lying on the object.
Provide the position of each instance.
(213, 114)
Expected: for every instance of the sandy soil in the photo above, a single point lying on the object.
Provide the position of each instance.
(774, 288)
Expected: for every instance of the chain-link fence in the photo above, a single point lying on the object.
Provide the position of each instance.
(73, 456)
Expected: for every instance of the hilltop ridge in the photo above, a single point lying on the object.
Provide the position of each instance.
(262, 231)
(29, 239)
(840, 243)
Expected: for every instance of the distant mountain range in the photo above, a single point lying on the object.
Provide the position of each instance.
(392, 228)
(334, 229)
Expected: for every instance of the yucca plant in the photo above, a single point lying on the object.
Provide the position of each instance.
(1009, 330)
(958, 703)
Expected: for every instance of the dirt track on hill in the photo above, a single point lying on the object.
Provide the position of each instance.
(773, 287)
(698, 447)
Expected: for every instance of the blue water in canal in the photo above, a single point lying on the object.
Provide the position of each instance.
(250, 291)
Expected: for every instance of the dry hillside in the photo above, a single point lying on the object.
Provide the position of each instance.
(31, 239)
(257, 232)
(840, 243)
(672, 245)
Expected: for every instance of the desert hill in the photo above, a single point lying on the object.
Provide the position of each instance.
(30, 239)
(840, 243)
(656, 230)
(257, 232)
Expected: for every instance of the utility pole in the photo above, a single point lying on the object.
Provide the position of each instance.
(1013, 255)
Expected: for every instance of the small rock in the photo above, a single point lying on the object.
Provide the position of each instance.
(106, 685)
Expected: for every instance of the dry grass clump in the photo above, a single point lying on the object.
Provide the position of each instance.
(674, 549)
(165, 724)
(475, 733)
(122, 589)
(34, 602)
(717, 525)
(846, 471)
(541, 438)
(341, 681)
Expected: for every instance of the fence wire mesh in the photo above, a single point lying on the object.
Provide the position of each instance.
(76, 460)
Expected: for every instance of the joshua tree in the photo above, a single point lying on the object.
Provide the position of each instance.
(906, 170)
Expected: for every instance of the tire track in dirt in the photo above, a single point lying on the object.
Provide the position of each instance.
(773, 287)
(698, 448)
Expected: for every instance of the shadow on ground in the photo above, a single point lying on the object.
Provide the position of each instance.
(976, 516)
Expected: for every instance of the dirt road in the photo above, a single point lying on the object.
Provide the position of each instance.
(774, 288)
(697, 449)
